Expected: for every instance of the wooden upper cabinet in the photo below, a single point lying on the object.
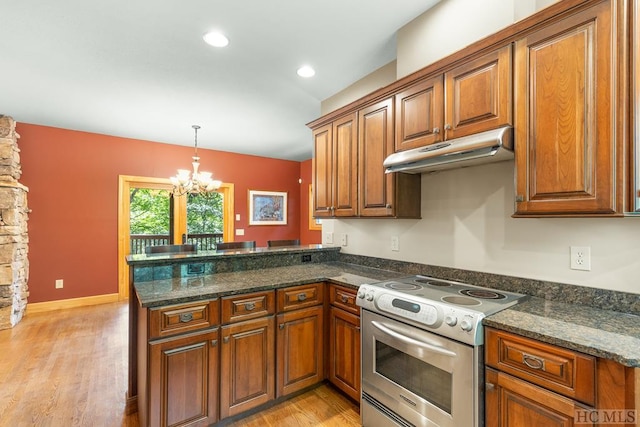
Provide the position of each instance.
(381, 194)
(322, 170)
(473, 97)
(335, 168)
(479, 95)
(375, 136)
(567, 102)
(419, 114)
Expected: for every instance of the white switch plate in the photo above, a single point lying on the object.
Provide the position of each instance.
(581, 258)
(395, 243)
(343, 239)
(237, 217)
(239, 231)
(328, 238)
(59, 283)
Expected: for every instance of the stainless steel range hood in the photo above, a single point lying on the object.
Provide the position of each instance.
(485, 147)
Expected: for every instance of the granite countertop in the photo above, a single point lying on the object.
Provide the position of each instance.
(601, 333)
(179, 290)
(597, 332)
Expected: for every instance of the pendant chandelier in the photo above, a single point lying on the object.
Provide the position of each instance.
(196, 182)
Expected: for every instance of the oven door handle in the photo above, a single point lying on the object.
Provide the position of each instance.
(412, 341)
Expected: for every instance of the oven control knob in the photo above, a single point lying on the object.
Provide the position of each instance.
(361, 294)
(466, 325)
(451, 320)
(369, 296)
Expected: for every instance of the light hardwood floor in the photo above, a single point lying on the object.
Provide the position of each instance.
(69, 368)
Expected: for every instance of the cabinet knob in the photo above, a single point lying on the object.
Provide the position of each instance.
(519, 198)
(436, 130)
(281, 325)
(489, 386)
(186, 317)
(250, 306)
(225, 340)
(344, 298)
(448, 127)
(388, 206)
(302, 297)
(214, 343)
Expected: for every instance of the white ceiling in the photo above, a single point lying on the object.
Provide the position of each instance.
(140, 69)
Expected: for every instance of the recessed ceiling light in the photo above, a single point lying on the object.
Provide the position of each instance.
(306, 71)
(215, 38)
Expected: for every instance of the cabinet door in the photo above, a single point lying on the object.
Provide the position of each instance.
(375, 143)
(419, 114)
(183, 376)
(300, 349)
(246, 365)
(510, 402)
(322, 170)
(344, 352)
(345, 164)
(479, 95)
(565, 117)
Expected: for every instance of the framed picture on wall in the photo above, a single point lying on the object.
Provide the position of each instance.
(314, 223)
(267, 207)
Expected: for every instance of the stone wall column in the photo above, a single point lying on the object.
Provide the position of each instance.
(14, 238)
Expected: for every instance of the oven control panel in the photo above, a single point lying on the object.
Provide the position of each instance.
(444, 319)
(424, 313)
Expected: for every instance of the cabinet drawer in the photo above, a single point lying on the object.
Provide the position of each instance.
(181, 318)
(567, 372)
(344, 298)
(300, 296)
(247, 306)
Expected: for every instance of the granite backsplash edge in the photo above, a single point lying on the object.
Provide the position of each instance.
(604, 299)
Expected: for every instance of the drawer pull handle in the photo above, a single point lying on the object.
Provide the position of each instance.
(186, 317)
(302, 297)
(214, 343)
(533, 362)
(250, 306)
(345, 299)
(225, 340)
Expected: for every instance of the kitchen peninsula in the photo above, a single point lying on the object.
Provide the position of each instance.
(198, 296)
(197, 320)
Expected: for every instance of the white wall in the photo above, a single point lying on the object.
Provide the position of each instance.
(466, 213)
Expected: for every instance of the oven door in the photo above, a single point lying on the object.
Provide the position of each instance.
(421, 377)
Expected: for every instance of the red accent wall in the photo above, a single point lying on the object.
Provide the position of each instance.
(307, 236)
(73, 194)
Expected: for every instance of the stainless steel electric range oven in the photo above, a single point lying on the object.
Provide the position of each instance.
(422, 351)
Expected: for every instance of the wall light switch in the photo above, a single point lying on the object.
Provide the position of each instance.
(343, 239)
(237, 217)
(59, 283)
(328, 238)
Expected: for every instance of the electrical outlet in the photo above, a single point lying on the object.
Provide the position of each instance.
(395, 243)
(328, 238)
(343, 239)
(581, 258)
(239, 231)
(59, 283)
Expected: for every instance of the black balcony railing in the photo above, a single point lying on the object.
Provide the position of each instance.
(205, 241)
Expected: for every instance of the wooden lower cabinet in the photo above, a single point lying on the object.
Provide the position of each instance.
(344, 351)
(247, 365)
(300, 349)
(183, 375)
(511, 402)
